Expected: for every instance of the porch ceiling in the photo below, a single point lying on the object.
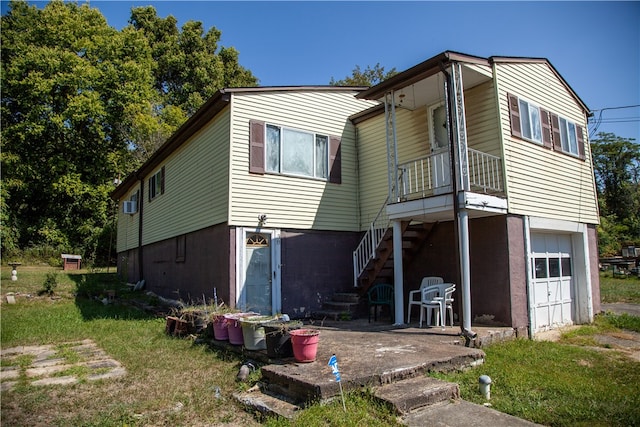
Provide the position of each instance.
(430, 90)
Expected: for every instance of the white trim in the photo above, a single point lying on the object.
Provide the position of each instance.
(581, 274)
(527, 251)
(276, 266)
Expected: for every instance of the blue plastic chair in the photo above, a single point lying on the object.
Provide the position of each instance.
(380, 294)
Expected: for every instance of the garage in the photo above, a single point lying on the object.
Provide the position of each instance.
(552, 280)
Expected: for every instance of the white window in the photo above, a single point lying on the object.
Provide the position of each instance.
(530, 121)
(296, 152)
(156, 184)
(568, 137)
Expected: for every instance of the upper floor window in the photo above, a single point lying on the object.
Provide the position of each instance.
(287, 151)
(296, 152)
(568, 136)
(156, 184)
(530, 121)
(533, 123)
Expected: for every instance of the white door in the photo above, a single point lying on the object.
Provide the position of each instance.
(552, 268)
(440, 159)
(259, 271)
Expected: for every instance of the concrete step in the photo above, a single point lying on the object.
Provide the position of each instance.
(350, 297)
(267, 404)
(332, 315)
(347, 307)
(460, 413)
(407, 395)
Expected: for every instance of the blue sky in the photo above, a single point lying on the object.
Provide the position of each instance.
(594, 45)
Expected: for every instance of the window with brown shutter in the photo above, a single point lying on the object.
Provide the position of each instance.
(581, 150)
(335, 160)
(256, 146)
(514, 113)
(555, 129)
(546, 129)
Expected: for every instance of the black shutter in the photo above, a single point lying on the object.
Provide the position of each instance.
(256, 146)
(162, 180)
(514, 113)
(335, 160)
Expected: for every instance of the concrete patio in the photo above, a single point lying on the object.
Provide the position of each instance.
(392, 361)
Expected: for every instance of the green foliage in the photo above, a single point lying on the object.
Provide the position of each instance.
(82, 104)
(616, 164)
(368, 77)
(50, 283)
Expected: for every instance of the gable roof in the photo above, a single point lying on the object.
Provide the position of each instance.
(437, 64)
(210, 109)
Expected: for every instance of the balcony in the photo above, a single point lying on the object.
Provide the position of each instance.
(431, 175)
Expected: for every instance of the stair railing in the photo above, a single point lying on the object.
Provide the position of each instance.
(366, 250)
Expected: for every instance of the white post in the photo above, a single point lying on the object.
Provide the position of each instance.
(465, 266)
(398, 277)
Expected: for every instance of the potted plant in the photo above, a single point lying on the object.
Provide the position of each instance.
(235, 328)
(305, 344)
(277, 338)
(253, 332)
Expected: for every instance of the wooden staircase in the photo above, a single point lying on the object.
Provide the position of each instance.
(380, 268)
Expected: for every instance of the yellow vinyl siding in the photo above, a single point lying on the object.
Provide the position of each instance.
(483, 127)
(295, 202)
(196, 185)
(372, 159)
(128, 224)
(542, 182)
(413, 142)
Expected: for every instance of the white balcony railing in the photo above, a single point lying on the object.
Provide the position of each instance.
(423, 177)
(366, 250)
(484, 171)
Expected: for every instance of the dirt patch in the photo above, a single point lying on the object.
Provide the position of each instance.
(627, 342)
(67, 363)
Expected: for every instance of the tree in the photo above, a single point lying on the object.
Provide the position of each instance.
(616, 163)
(71, 88)
(368, 77)
(189, 67)
(83, 103)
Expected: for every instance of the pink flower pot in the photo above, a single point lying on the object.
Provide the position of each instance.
(220, 328)
(305, 344)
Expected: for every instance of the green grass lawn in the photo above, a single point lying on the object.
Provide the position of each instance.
(173, 381)
(615, 289)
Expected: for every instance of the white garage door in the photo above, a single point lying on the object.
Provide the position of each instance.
(552, 280)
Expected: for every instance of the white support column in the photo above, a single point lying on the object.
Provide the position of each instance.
(398, 277)
(465, 266)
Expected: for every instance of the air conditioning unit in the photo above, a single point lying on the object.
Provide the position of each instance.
(129, 207)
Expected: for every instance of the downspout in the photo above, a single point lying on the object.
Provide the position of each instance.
(461, 225)
(140, 221)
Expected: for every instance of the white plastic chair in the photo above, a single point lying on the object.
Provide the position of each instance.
(430, 301)
(415, 297)
(446, 293)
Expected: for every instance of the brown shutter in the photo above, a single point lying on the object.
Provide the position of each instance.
(162, 180)
(149, 189)
(580, 138)
(546, 129)
(555, 130)
(335, 160)
(514, 113)
(256, 146)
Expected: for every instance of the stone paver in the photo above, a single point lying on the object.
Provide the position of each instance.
(48, 364)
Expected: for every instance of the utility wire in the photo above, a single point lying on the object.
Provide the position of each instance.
(599, 120)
